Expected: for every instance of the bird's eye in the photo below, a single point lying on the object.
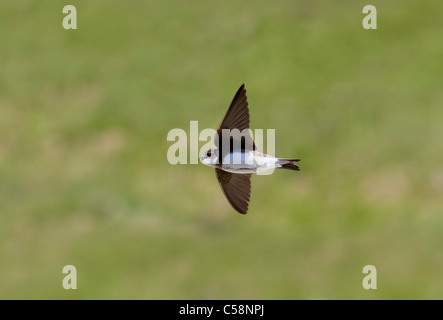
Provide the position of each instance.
(208, 153)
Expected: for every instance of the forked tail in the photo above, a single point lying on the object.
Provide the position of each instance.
(288, 164)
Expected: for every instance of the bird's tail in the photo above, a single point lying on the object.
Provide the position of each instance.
(288, 164)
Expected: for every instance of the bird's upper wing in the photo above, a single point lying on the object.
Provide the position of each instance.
(236, 187)
(237, 117)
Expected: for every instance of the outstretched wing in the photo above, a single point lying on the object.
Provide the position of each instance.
(236, 187)
(237, 117)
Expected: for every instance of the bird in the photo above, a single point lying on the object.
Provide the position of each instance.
(236, 158)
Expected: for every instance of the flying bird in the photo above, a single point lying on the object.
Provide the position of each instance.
(235, 157)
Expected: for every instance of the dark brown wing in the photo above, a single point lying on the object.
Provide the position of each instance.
(236, 187)
(237, 117)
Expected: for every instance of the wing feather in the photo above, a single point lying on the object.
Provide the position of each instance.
(237, 189)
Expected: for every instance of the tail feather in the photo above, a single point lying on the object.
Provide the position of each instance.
(288, 164)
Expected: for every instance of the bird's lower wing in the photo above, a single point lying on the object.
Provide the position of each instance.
(237, 189)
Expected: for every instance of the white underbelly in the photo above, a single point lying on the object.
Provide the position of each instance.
(248, 162)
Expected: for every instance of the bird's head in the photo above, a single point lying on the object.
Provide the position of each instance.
(209, 158)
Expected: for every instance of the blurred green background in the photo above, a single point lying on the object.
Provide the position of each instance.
(84, 177)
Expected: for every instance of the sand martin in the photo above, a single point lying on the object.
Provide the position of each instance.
(235, 157)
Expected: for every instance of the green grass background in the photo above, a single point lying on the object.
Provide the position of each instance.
(84, 177)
